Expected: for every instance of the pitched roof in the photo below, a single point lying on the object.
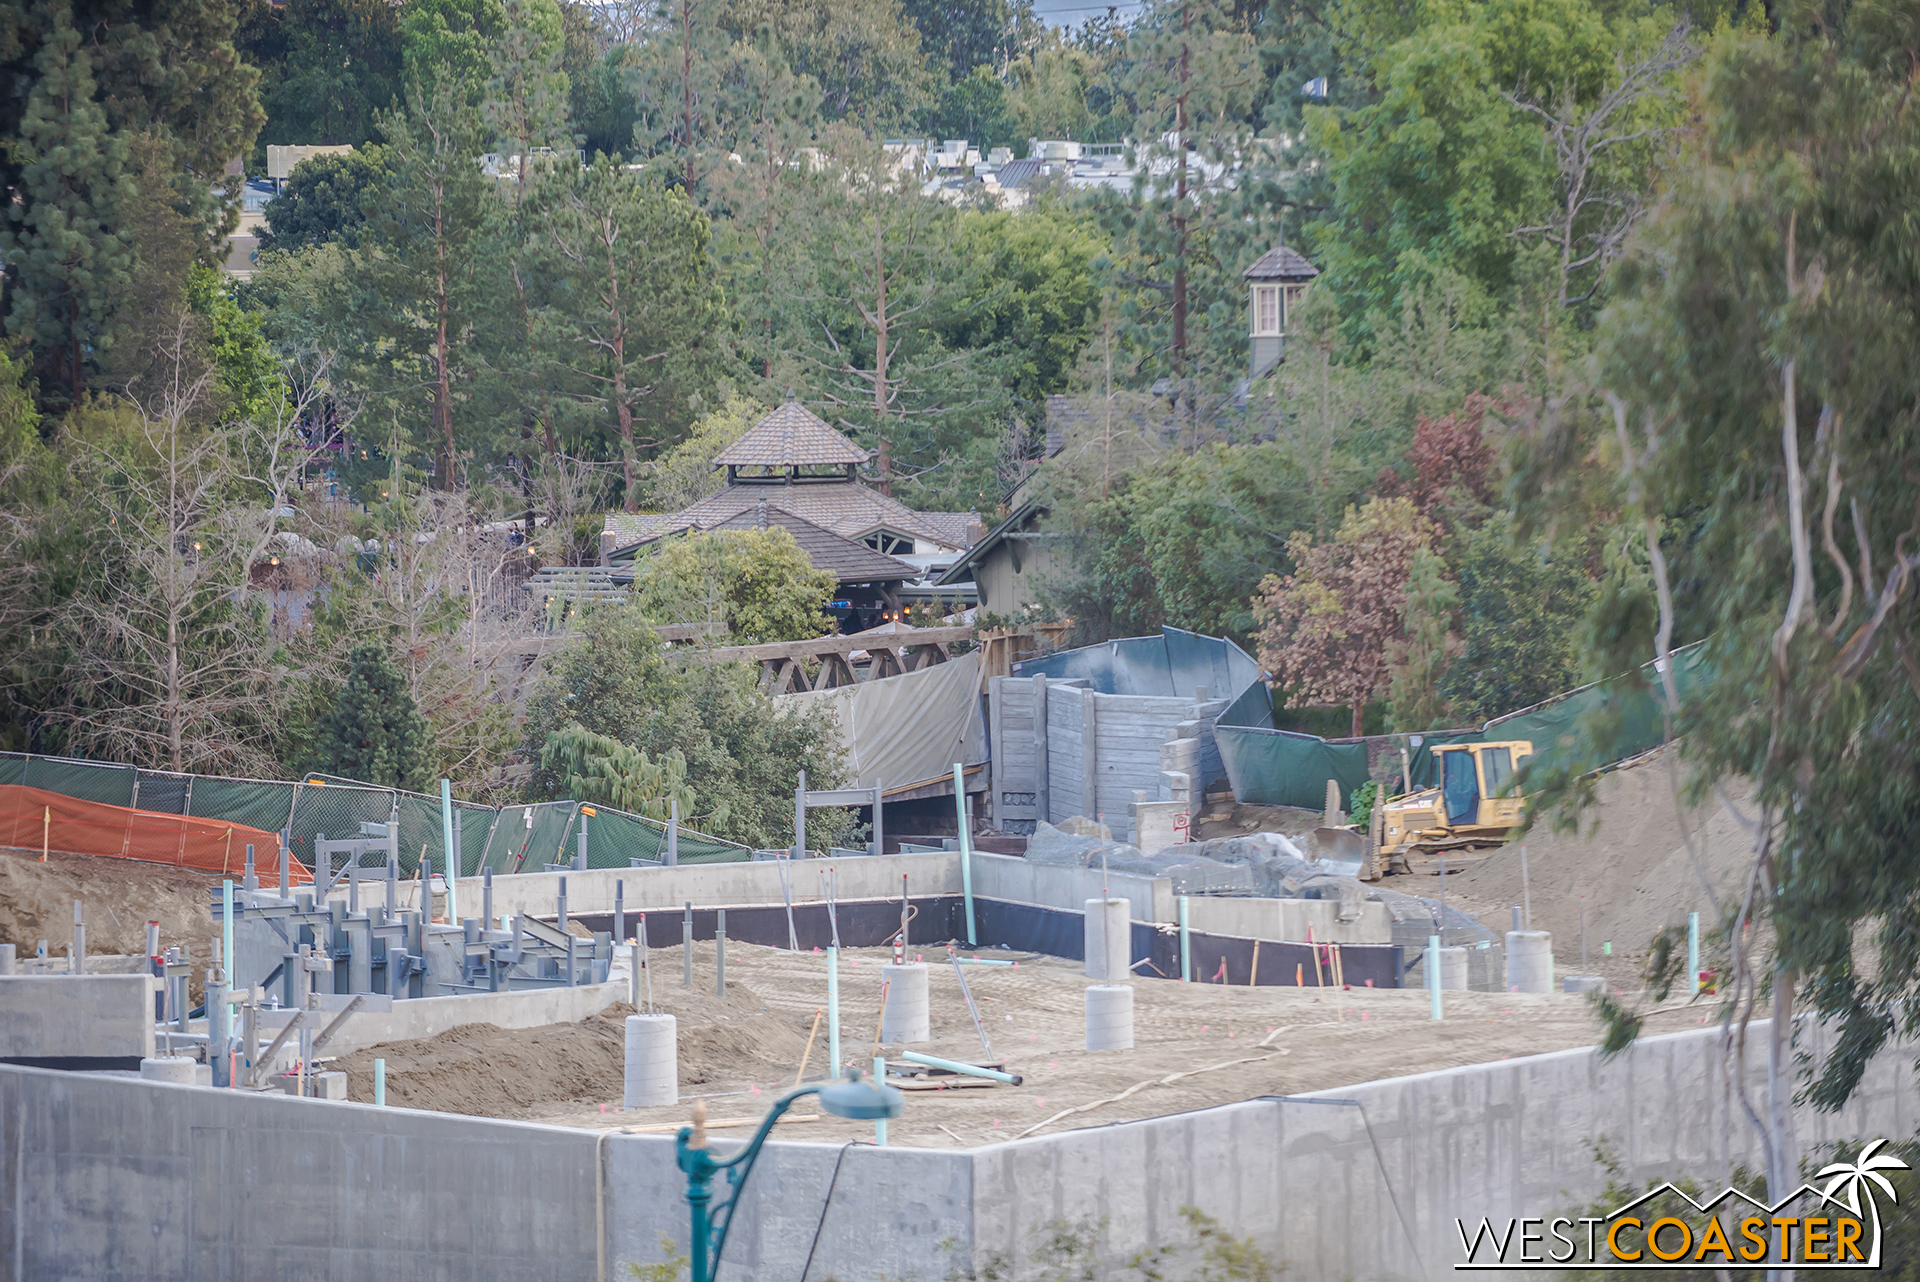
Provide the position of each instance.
(847, 508)
(791, 436)
(850, 561)
(957, 526)
(962, 571)
(1281, 263)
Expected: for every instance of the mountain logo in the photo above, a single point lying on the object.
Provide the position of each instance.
(1835, 1226)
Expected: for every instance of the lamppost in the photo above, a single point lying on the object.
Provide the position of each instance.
(850, 1098)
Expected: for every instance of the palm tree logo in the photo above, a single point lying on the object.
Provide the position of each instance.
(1850, 1178)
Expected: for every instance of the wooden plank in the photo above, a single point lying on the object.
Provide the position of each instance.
(1089, 753)
(1042, 763)
(996, 762)
(1151, 704)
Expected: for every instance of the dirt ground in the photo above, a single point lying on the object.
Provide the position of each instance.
(1629, 867)
(120, 896)
(738, 1052)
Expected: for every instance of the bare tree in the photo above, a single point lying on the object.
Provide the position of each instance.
(173, 662)
(1598, 201)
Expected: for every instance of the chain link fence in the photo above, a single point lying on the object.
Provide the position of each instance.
(518, 838)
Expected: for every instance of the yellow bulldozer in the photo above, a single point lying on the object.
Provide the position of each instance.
(1473, 809)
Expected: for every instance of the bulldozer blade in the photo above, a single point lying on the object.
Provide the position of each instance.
(1342, 850)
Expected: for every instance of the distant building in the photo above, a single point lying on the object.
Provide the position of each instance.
(282, 161)
(795, 471)
(1275, 284)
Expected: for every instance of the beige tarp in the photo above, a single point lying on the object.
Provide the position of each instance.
(909, 728)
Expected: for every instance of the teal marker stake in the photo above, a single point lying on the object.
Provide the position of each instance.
(833, 1013)
(1433, 972)
(379, 1083)
(446, 830)
(1693, 954)
(880, 1079)
(966, 852)
(1186, 952)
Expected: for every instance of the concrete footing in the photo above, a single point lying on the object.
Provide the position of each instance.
(1453, 970)
(653, 1061)
(1110, 1017)
(177, 1069)
(1109, 933)
(1529, 961)
(1583, 984)
(906, 1018)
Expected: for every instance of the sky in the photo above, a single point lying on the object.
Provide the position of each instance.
(1071, 13)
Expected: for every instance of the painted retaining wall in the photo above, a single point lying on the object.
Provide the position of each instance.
(107, 1177)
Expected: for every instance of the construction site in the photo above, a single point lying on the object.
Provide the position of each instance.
(1117, 950)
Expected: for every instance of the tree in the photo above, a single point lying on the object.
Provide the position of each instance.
(88, 81)
(756, 582)
(1452, 466)
(633, 330)
(1199, 212)
(592, 767)
(1521, 606)
(1756, 360)
(1325, 629)
(425, 228)
(686, 474)
(64, 240)
(447, 43)
(331, 67)
(1414, 701)
(325, 200)
(526, 100)
(1434, 167)
(863, 56)
(743, 753)
(883, 288)
(170, 656)
(375, 733)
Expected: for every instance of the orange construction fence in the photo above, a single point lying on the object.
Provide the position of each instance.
(34, 819)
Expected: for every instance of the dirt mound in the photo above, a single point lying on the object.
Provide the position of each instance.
(121, 896)
(1629, 865)
(485, 1071)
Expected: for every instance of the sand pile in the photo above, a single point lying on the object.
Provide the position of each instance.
(121, 896)
(1629, 865)
(493, 1072)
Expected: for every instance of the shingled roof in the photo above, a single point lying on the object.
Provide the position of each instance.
(849, 561)
(791, 436)
(1281, 263)
(846, 508)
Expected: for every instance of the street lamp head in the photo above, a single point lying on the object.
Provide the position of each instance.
(860, 1101)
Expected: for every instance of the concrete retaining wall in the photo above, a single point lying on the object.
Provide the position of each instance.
(82, 1021)
(1019, 881)
(382, 1020)
(1289, 919)
(108, 1178)
(710, 885)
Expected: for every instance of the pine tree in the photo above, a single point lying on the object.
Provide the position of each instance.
(63, 237)
(375, 733)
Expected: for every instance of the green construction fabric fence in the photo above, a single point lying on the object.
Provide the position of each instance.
(522, 838)
(1583, 729)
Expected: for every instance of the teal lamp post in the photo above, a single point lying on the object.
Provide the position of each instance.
(850, 1098)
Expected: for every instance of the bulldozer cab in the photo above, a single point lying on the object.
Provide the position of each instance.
(1476, 782)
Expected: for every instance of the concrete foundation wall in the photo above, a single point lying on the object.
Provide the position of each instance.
(1288, 920)
(711, 885)
(107, 1177)
(431, 1016)
(1017, 881)
(76, 1017)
